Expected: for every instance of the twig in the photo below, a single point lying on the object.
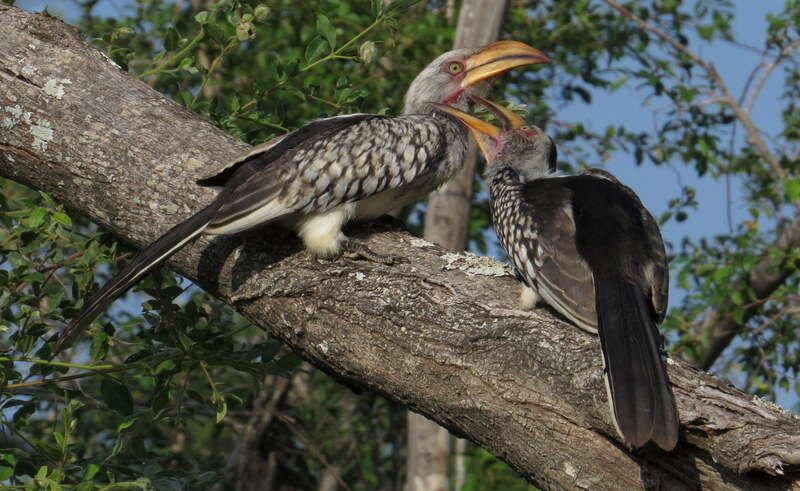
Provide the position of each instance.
(177, 56)
(769, 68)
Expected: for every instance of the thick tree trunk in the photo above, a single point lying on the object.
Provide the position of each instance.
(446, 224)
(439, 334)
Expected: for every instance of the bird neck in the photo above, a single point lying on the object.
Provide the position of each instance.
(502, 180)
(424, 107)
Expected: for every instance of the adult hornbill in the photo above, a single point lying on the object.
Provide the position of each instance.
(333, 170)
(587, 246)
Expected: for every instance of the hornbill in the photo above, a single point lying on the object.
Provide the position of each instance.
(333, 170)
(587, 246)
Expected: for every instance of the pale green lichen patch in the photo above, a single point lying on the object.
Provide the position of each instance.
(17, 115)
(42, 135)
(29, 71)
(55, 87)
(194, 163)
(772, 406)
(417, 242)
(472, 264)
(42, 131)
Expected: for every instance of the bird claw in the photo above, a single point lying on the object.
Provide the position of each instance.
(353, 249)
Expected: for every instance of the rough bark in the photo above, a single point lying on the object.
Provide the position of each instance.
(439, 334)
(447, 224)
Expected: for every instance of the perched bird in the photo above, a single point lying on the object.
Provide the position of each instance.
(333, 170)
(587, 246)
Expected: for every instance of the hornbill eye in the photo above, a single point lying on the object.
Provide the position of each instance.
(455, 67)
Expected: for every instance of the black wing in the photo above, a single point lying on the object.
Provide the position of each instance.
(622, 245)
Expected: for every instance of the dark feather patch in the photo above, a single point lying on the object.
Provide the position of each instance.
(641, 396)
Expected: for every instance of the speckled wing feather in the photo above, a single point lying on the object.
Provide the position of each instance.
(536, 228)
(270, 150)
(333, 165)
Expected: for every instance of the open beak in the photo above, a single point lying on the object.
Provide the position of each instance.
(483, 132)
(498, 58)
(508, 119)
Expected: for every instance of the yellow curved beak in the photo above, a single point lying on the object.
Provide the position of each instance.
(498, 58)
(481, 131)
(509, 119)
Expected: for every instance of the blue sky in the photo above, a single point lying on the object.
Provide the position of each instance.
(655, 185)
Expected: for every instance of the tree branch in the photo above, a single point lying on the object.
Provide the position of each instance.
(439, 334)
(765, 277)
(768, 69)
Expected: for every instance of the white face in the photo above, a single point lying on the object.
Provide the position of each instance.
(440, 82)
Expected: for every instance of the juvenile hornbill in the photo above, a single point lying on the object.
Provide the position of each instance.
(333, 170)
(587, 246)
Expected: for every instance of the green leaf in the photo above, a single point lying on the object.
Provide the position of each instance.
(9, 458)
(222, 409)
(100, 344)
(62, 218)
(49, 450)
(315, 49)
(116, 396)
(125, 425)
(5, 472)
(59, 438)
(327, 30)
(36, 218)
(33, 278)
(616, 84)
(792, 189)
(201, 17)
(216, 32)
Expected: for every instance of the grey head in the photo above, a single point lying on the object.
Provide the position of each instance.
(461, 73)
(527, 150)
(521, 146)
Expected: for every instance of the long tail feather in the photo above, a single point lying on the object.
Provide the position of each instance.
(147, 259)
(640, 395)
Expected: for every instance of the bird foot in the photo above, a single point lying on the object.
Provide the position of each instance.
(353, 249)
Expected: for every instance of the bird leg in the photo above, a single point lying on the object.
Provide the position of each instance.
(355, 249)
